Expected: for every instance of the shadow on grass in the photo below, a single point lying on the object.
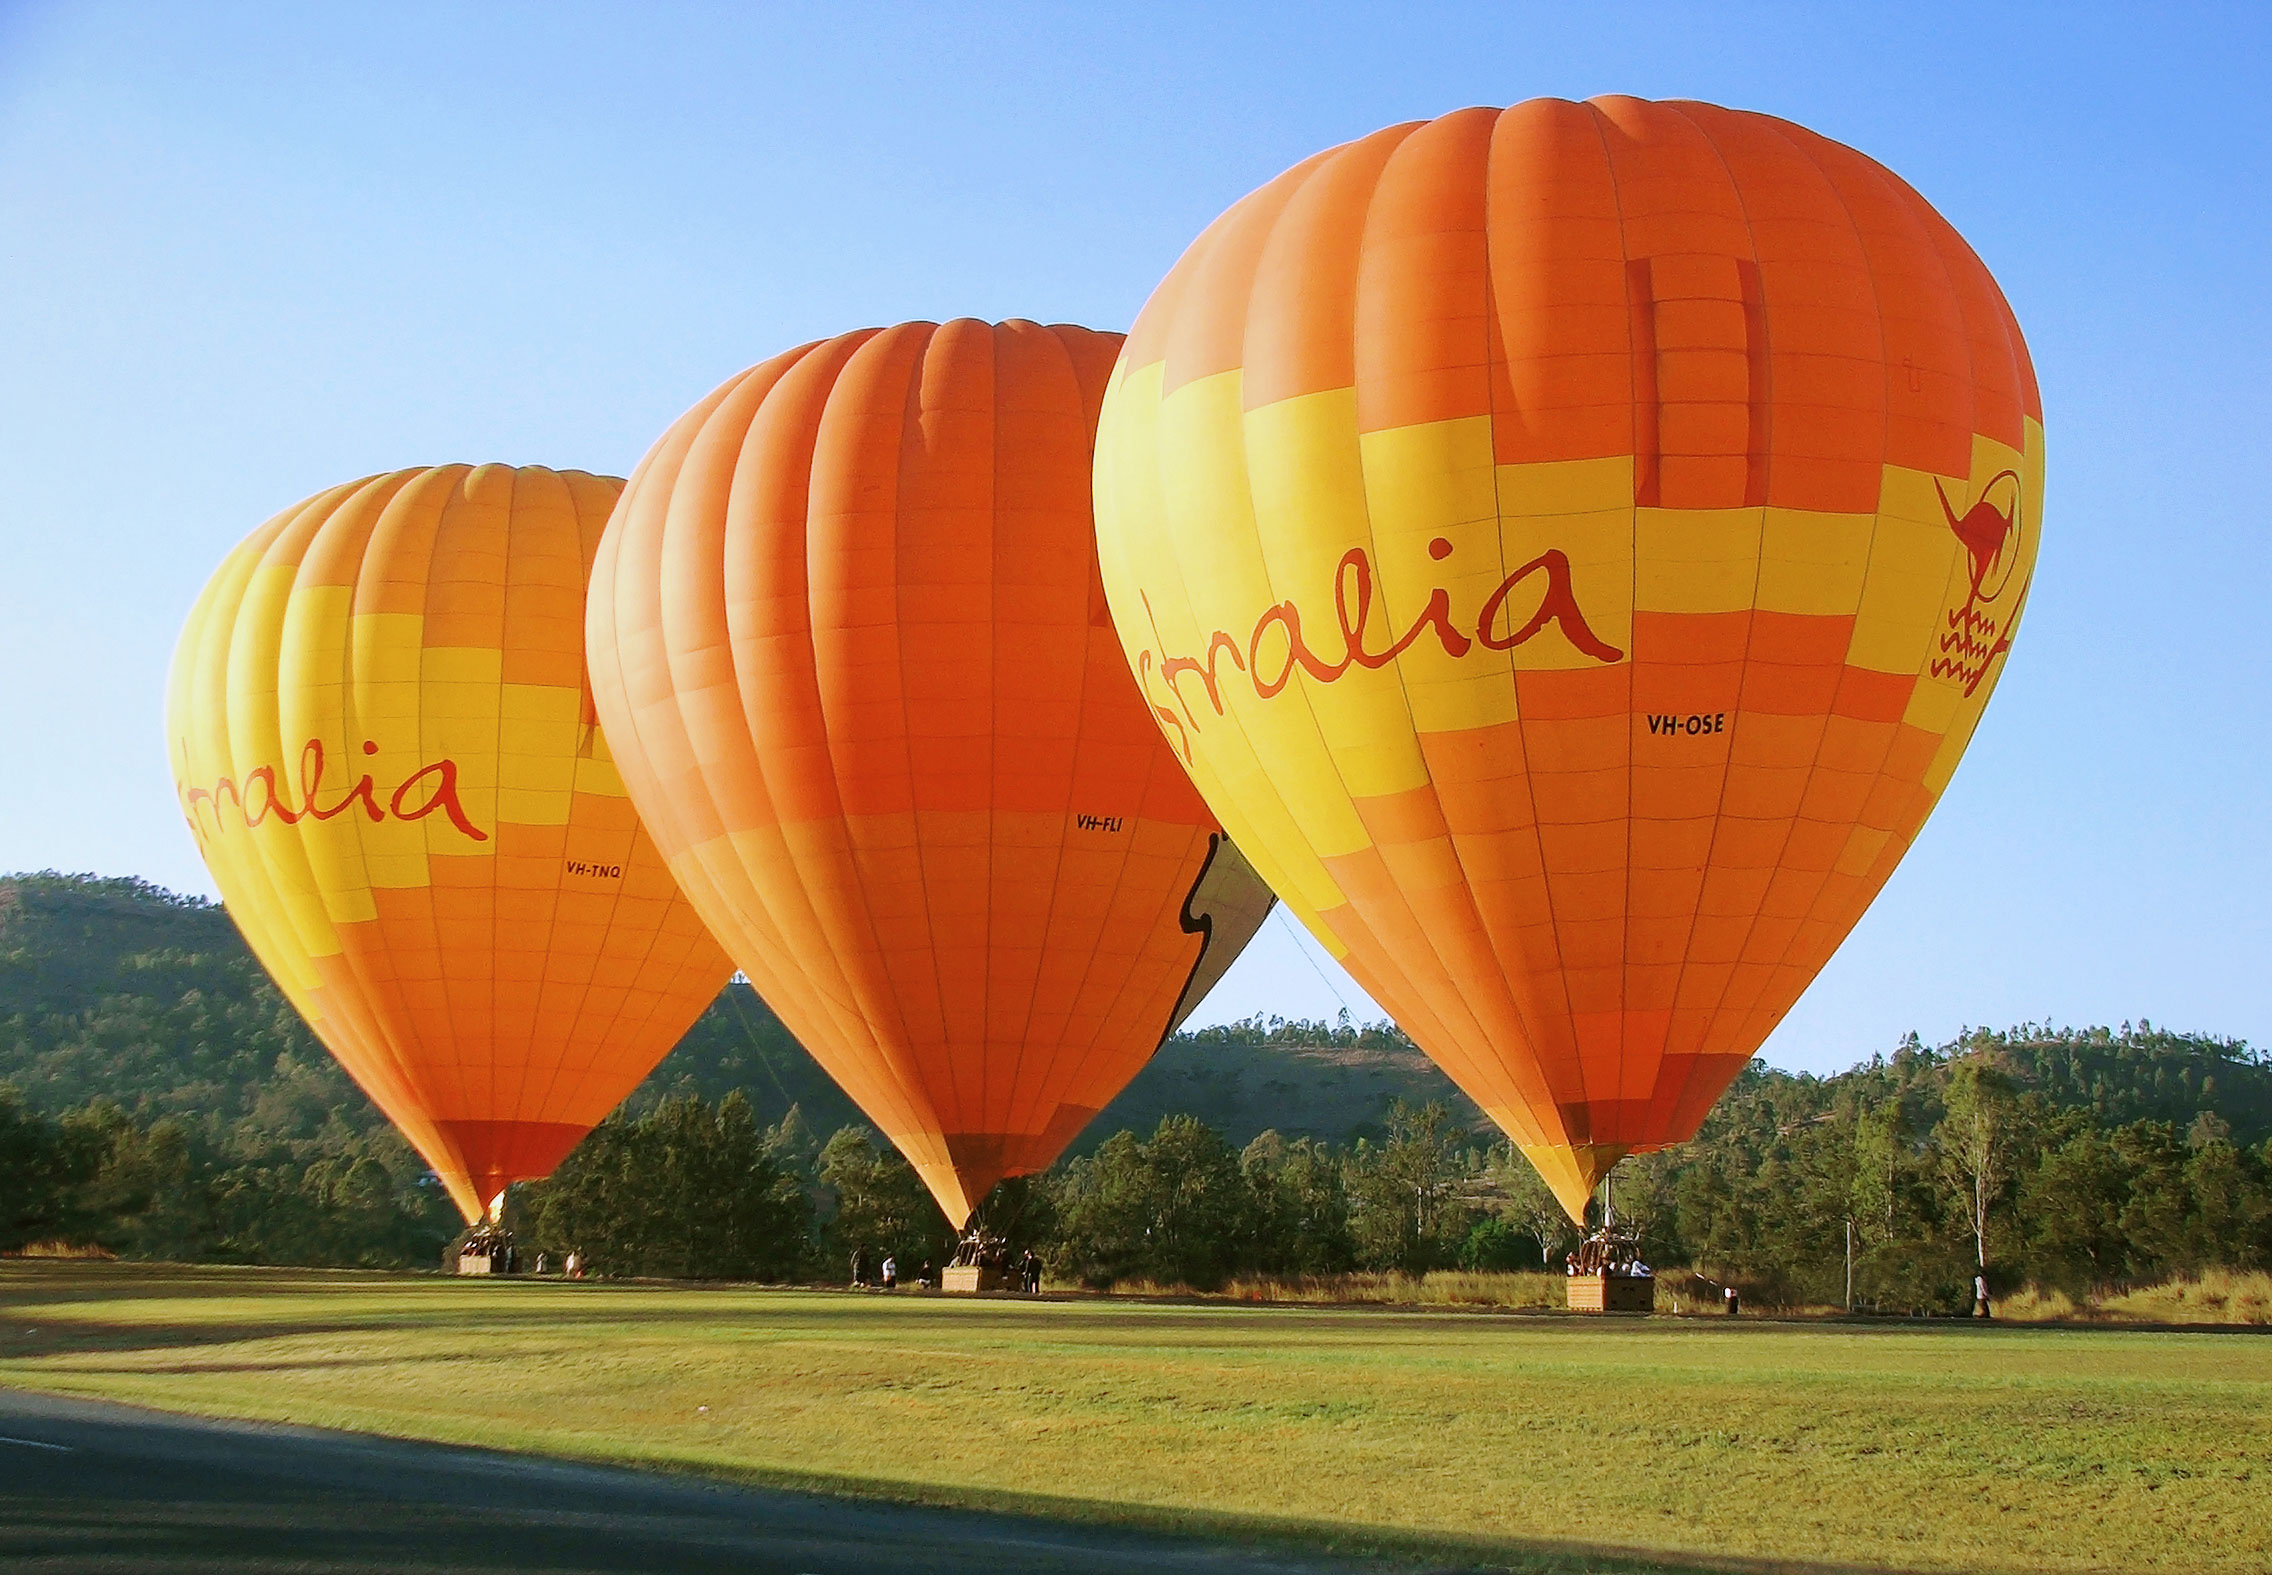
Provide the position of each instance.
(125, 1487)
(1438, 1550)
(175, 1538)
(41, 1281)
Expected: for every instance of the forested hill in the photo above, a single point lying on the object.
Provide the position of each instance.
(119, 990)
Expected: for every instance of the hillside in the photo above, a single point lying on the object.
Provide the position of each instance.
(1301, 1079)
(117, 989)
(120, 990)
(1304, 1079)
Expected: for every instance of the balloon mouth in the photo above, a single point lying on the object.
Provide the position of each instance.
(475, 1156)
(1571, 1171)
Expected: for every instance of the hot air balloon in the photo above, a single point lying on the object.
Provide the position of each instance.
(384, 744)
(848, 638)
(1571, 547)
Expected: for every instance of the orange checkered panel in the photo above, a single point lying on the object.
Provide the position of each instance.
(1570, 547)
(387, 751)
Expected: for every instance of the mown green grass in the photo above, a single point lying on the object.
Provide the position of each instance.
(1528, 1440)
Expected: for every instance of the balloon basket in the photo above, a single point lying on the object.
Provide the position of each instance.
(1611, 1293)
(483, 1250)
(982, 1263)
(971, 1279)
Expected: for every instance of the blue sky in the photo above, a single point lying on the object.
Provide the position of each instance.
(246, 252)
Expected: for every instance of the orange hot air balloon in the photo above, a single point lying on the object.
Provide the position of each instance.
(384, 744)
(848, 637)
(1571, 547)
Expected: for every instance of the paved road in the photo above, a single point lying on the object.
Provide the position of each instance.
(92, 1487)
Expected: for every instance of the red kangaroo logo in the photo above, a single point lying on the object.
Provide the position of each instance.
(1975, 638)
(1984, 529)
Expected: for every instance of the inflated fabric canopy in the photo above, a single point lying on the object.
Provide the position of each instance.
(385, 747)
(849, 639)
(1571, 547)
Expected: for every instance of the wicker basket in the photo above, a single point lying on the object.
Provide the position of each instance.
(971, 1279)
(1620, 1293)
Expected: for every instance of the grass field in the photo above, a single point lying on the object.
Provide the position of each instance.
(1529, 1441)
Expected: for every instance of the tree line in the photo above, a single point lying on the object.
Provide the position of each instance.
(1902, 1180)
(168, 1104)
(1892, 1185)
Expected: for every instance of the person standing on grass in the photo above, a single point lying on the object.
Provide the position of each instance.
(891, 1273)
(1980, 1296)
(859, 1267)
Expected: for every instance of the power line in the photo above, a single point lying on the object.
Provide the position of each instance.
(1300, 935)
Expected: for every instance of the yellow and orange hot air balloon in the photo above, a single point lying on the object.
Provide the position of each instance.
(1571, 547)
(849, 641)
(384, 744)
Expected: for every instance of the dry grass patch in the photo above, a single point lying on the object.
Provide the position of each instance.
(2220, 1296)
(2225, 1297)
(1445, 1288)
(1511, 1292)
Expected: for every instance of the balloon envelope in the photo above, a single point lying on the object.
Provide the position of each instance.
(1571, 547)
(848, 636)
(384, 745)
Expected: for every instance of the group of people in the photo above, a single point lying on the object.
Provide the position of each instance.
(987, 1253)
(489, 1248)
(503, 1257)
(887, 1273)
(1603, 1253)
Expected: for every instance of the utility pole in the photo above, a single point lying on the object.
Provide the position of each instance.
(1849, 1263)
